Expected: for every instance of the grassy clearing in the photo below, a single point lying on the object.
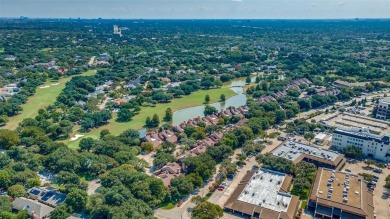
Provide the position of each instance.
(1, 50)
(167, 205)
(45, 50)
(346, 77)
(41, 99)
(138, 121)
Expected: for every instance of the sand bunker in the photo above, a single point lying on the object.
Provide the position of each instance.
(77, 136)
(44, 86)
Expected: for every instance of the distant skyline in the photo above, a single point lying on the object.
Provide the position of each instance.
(197, 9)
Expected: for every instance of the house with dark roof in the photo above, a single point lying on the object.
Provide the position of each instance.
(47, 195)
(134, 83)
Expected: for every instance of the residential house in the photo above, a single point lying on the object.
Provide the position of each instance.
(47, 195)
(153, 138)
(167, 135)
(168, 172)
(34, 208)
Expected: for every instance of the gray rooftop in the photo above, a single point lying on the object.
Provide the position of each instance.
(263, 190)
(291, 150)
(32, 206)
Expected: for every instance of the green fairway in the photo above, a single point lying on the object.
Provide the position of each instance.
(194, 99)
(45, 95)
(45, 50)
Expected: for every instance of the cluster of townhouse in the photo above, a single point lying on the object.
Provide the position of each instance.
(212, 119)
(292, 84)
(298, 82)
(101, 89)
(322, 91)
(325, 92)
(265, 98)
(103, 59)
(159, 137)
(174, 169)
(52, 65)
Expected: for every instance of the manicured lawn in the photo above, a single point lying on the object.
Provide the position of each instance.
(168, 205)
(45, 50)
(42, 98)
(138, 121)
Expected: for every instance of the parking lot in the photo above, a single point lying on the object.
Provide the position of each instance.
(381, 201)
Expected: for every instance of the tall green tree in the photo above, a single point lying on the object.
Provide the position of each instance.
(309, 136)
(5, 204)
(5, 179)
(62, 211)
(248, 80)
(124, 115)
(222, 97)
(148, 122)
(8, 138)
(207, 210)
(16, 191)
(207, 98)
(168, 115)
(155, 120)
(77, 199)
(209, 110)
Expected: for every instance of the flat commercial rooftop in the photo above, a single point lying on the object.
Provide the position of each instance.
(346, 120)
(344, 186)
(342, 190)
(293, 150)
(263, 194)
(263, 190)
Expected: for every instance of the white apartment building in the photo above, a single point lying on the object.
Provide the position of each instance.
(383, 110)
(375, 146)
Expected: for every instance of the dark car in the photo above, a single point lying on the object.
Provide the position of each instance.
(377, 170)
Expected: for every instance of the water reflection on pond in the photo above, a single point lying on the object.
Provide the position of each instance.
(193, 112)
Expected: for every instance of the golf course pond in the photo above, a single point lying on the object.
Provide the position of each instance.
(236, 101)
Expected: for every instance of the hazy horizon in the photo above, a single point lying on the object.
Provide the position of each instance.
(196, 9)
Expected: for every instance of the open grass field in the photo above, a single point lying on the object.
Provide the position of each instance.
(138, 121)
(45, 95)
(45, 50)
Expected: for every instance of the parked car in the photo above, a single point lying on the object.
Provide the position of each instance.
(221, 188)
(377, 170)
(348, 170)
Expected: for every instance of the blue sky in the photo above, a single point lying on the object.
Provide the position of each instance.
(197, 9)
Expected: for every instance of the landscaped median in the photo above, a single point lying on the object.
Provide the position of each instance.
(138, 121)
